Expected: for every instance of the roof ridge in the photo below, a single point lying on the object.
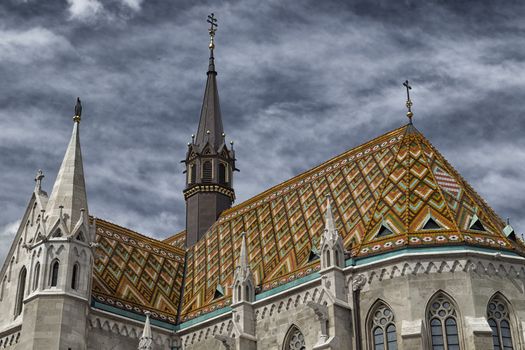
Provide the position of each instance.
(370, 224)
(495, 221)
(147, 238)
(174, 235)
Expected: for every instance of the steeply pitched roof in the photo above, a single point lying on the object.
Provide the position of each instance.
(398, 181)
(393, 192)
(137, 274)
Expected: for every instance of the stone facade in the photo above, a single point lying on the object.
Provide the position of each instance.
(406, 284)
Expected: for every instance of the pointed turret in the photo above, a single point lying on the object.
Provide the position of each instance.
(332, 249)
(210, 163)
(243, 282)
(146, 340)
(69, 190)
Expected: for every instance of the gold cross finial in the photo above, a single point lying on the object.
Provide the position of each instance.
(409, 102)
(213, 28)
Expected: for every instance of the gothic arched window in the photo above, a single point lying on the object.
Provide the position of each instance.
(499, 321)
(53, 278)
(36, 276)
(20, 291)
(206, 171)
(382, 328)
(294, 339)
(74, 277)
(443, 323)
(223, 179)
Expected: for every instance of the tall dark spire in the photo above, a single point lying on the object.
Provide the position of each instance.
(210, 128)
(209, 162)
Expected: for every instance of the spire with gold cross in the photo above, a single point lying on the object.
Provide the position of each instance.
(210, 163)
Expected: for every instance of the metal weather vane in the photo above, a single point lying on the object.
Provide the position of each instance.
(409, 102)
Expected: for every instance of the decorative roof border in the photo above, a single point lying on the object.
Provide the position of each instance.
(140, 241)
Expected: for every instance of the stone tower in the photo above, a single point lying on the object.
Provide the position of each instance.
(60, 260)
(210, 163)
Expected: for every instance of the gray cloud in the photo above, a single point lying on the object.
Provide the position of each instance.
(299, 83)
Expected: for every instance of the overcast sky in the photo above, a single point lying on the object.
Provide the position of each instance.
(299, 82)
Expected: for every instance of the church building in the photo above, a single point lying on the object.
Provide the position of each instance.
(382, 247)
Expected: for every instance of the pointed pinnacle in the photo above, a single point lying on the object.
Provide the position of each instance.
(329, 218)
(243, 257)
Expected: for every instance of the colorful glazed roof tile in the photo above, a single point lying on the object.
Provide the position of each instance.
(135, 273)
(392, 192)
(177, 240)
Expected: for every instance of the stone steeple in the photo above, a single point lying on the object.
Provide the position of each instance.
(243, 283)
(69, 191)
(210, 163)
(332, 248)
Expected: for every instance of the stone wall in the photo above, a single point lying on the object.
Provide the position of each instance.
(406, 284)
(108, 331)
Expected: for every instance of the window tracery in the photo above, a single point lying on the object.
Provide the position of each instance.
(294, 340)
(383, 328)
(499, 321)
(443, 323)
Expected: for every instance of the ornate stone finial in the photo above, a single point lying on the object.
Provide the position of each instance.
(78, 111)
(409, 102)
(38, 180)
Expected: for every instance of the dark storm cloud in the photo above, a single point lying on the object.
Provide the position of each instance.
(299, 83)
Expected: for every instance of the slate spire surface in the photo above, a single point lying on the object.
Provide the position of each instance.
(210, 123)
